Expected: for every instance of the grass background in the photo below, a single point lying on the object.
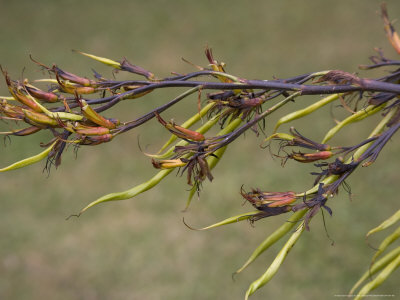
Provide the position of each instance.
(139, 249)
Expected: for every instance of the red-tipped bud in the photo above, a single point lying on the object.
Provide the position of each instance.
(310, 157)
(181, 132)
(39, 94)
(72, 77)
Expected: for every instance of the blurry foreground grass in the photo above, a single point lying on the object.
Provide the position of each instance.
(140, 249)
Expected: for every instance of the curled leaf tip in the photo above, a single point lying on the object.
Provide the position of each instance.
(73, 215)
(190, 227)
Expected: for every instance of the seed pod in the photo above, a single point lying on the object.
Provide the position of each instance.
(39, 94)
(95, 117)
(80, 90)
(39, 118)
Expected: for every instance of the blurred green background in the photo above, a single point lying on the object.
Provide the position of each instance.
(140, 249)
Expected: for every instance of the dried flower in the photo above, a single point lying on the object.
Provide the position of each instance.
(269, 203)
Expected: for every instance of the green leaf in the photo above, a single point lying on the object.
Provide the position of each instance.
(273, 238)
(382, 276)
(227, 221)
(136, 190)
(358, 116)
(385, 224)
(273, 268)
(30, 160)
(131, 192)
(376, 267)
(306, 111)
(386, 243)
